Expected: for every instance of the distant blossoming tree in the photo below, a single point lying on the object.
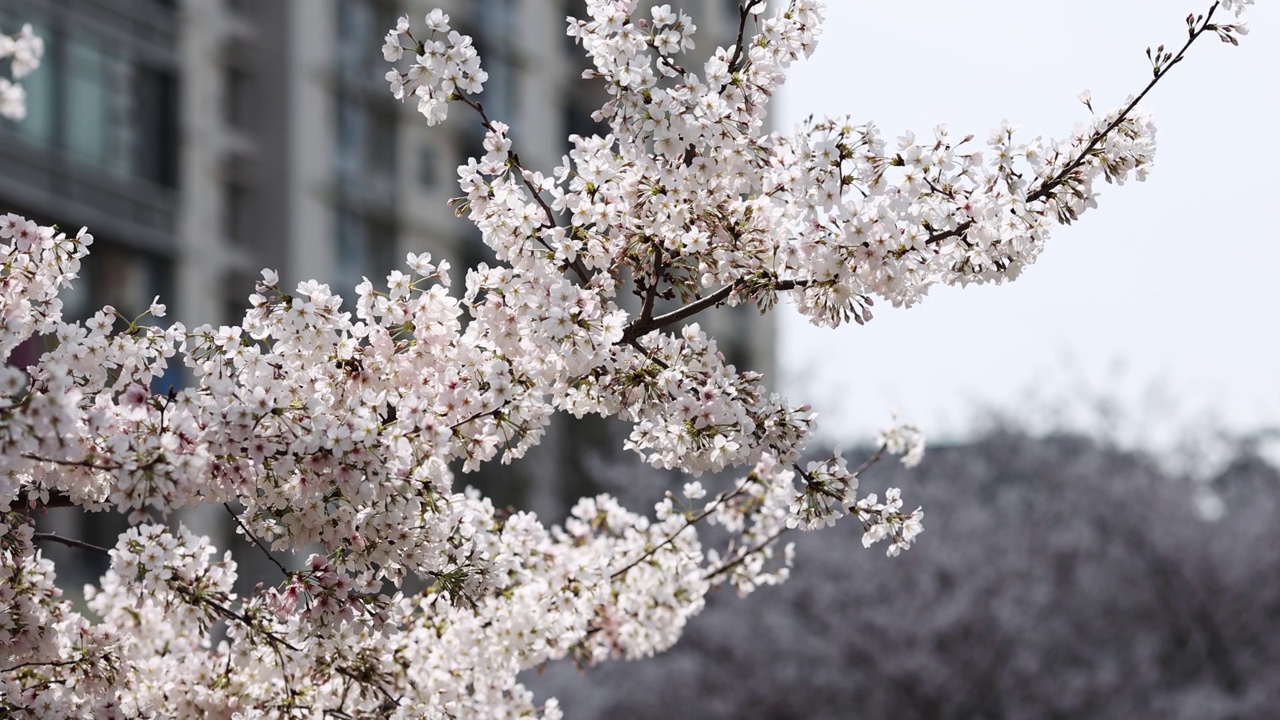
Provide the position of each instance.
(333, 431)
(1064, 579)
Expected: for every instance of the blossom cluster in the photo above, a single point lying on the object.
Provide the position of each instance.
(439, 72)
(334, 428)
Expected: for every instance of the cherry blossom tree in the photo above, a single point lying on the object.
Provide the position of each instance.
(330, 431)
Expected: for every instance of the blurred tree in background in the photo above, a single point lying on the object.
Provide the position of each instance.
(1066, 579)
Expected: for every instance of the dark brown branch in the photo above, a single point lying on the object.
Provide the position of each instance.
(71, 542)
(744, 11)
(229, 614)
(649, 355)
(70, 463)
(479, 415)
(651, 295)
(726, 567)
(51, 663)
(642, 327)
(1047, 187)
(957, 231)
(1062, 175)
(276, 640)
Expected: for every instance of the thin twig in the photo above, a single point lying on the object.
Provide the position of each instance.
(229, 614)
(1061, 177)
(578, 268)
(1048, 186)
(872, 460)
(71, 542)
(746, 554)
(689, 522)
(51, 663)
(71, 463)
(255, 539)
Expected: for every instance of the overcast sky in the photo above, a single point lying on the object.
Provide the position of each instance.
(1165, 297)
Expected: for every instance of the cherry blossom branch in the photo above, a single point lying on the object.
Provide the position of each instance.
(742, 557)
(87, 464)
(651, 294)
(227, 613)
(494, 412)
(744, 11)
(640, 327)
(298, 417)
(35, 664)
(1160, 70)
(1046, 188)
(550, 222)
(273, 638)
(723, 498)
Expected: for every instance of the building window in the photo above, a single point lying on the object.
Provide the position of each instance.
(94, 115)
(366, 247)
(100, 105)
(491, 23)
(366, 150)
(366, 145)
(428, 159)
(236, 218)
(155, 96)
(237, 98)
(360, 24)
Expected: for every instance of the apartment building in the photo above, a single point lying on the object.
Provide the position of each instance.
(202, 140)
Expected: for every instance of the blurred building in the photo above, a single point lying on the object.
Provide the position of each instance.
(99, 144)
(202, 140)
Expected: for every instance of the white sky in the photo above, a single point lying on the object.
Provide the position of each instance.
(1165, 297)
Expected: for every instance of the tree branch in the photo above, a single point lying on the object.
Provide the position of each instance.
(726, 567)
(642, 327)
(254, 538)
(737, 62)
(71, 542)
(651, 295)
(578, 268)
(689, 522)
(1049, 186)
